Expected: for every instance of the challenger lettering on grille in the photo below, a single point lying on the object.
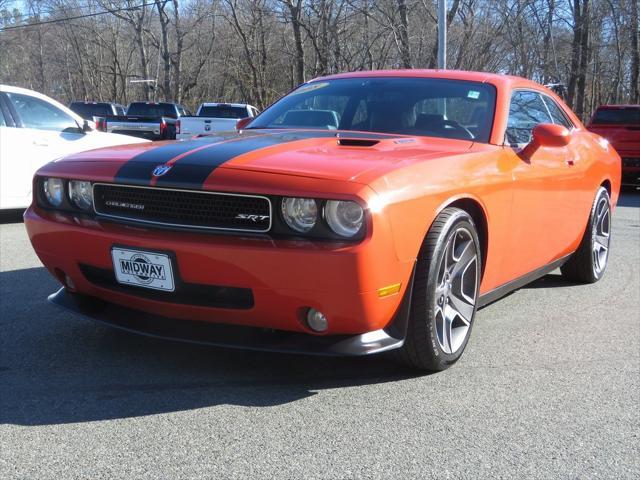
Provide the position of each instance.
(183, 208)
(130, 206)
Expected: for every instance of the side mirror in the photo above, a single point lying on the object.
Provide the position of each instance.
(547, 135)
(243, 122)
(88, 126)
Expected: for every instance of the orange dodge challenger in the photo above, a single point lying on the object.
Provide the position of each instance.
(361, 213)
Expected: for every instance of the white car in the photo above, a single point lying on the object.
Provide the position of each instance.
(34, 130)
(214, 117)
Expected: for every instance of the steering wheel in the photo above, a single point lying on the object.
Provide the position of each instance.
(456, 126)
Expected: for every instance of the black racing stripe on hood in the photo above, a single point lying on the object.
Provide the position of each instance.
(192, 170)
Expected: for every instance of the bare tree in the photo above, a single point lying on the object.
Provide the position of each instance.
(256, 50)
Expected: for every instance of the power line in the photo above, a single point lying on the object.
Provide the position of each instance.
(78, 17)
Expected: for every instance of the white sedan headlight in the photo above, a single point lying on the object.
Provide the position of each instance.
(81, 194)
(344, 217)
(53, 191)
(300, 214)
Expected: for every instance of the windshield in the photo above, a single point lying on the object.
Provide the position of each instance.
(625, 116)
(153, 110)
(223, 111)
(410, 106)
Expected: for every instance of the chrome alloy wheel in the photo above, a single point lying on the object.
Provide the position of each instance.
(456, 291)
(600, 235)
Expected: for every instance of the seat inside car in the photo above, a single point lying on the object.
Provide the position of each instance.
(388, 117)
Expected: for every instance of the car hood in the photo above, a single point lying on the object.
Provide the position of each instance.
(345, 156)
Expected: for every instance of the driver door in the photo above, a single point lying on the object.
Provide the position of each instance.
(540, 229)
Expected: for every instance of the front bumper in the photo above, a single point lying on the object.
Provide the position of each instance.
(285, 277)
(230, 336)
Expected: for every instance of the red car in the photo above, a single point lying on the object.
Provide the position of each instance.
(620, 124)
(361, 213)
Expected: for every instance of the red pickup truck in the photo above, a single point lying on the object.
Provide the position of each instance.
(620, 124)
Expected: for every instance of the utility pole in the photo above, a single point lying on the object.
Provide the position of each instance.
(442, 34)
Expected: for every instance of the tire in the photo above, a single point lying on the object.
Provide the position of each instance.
(437, 332)
(589, 262)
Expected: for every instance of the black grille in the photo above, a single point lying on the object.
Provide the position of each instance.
(631, 161)
(185, 293)
(184, 208)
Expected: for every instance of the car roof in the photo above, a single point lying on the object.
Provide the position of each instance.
(144, 102)
(83, 102)
(225, 104)
(509, 81)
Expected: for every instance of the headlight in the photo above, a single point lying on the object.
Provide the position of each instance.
(81, 194)
(344, 217)
(54, 191)
(300, 214)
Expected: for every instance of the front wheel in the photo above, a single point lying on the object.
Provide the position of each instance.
(589, 261)
(445, 293)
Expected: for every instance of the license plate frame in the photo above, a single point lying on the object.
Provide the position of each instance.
(143, 268)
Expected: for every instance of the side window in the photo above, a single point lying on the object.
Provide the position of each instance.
(2, 122)
(36, 113)
(557, 114)
(526, 111)
(120, 110)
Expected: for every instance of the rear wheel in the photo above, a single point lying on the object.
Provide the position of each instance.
(445, 293)
(588, 263)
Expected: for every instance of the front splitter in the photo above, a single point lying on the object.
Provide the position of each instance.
(238, 337)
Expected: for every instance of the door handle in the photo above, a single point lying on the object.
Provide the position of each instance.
(571, 163)
(41, 143)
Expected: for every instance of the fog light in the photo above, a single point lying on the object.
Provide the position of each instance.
(316, 320)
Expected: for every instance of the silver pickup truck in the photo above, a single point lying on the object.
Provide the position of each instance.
(214, 117)
(150, 120)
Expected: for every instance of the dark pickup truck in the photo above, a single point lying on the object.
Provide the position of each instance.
(620, 124)
(150, 120)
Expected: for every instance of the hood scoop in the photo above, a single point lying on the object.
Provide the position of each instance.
(357, 142)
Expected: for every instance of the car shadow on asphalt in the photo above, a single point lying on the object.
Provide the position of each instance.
(56, 368)
(551, 280)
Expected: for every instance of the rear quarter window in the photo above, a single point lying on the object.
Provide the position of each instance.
(223, 111)
(557, 114)
(153, 110)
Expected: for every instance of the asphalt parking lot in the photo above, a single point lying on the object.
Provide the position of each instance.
(549, 387)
